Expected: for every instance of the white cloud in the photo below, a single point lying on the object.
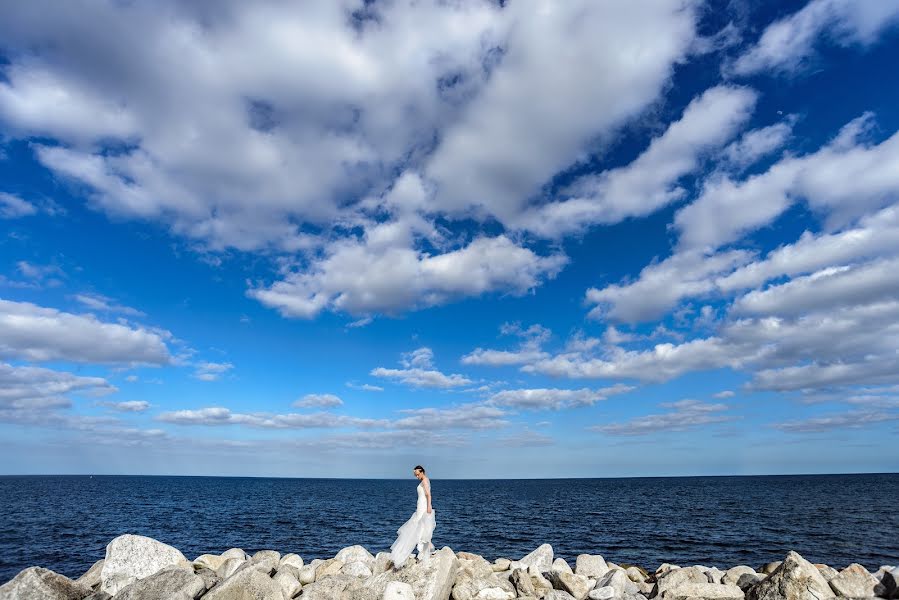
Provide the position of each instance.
(366, 387)
(36, 333)
(758, 143)
(682, 416)
(13, 207)
(217, 415)
(127, 406)
(853, 419)
(554, 399)
(651, 181)
(529, 350)
(724, 394)
(106, 304)
(419, 371)
(211, 371)
(787, 44)
(318, 401)
(465, 416)
(26, 388)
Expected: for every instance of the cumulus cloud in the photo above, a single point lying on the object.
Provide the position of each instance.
(788, 44)
(128, 406)
(530, 349)
(211, 371)
(682, 415)
(366, 387)
(36, 333)
(26, 388)
(853, 419)
(13, 207)
(218, 415)
(318, 401)
(554, 399)
(419, 371)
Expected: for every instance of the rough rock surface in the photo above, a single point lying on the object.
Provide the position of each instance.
(91, 577)
(171, 583)
(617, 580)
(732, 575)
(794, 579)
(706, 590)
(397, 590)
(247, 584)
(131, 557)
(542, 558)
(854, 582)
(36, 583)
(591, 565)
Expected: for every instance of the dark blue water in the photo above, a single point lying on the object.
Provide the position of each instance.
(64, 522)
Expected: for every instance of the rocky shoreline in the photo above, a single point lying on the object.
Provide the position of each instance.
(141, 568)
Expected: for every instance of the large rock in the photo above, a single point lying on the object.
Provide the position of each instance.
(561, 565)
(889, 583)
(36, 583)
(636, 574)
(675, 578)
(710, 591)
(827, 571)
(397, 590)
(429, 581)
(171, 583)
(332, 566)
(732, 575)
(542, 558)
(558, 595)
(617, 579)
(91, 577)
(602, 593)
(132, 557)
(357, 568)
(292, 559)
(576, 585)
(290, 585)
(333, 587)
(522, 582)
(854, 582)
(794, 579)
(591, 565)
(266, 555)
(234, 553)
(247, 584)
(229, 567)
(355, 554)
(210, 561)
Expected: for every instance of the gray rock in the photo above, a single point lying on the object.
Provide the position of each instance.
(382, 563)
(132, 557)
(332, 566)
(291, 559)
(476, 575)
(542, 558)
(171, 583)
(430, 581)
(676, 578)
(732, 575)
(794, 579)
(854, 582)
(664, 568)
(591, 565)
(307, 573)
(266, 555)
(263, 564)
(710, 591)
(210, 578)
(617, 579)
(36, 583)
(747, 580)
(357, 568)
(827, 572)
(290, 585)
(769, 568)
(247, 584)
(210, 561)
(229, 567)
(560, 565)
(558, 595)
(636, 575)
(92, 578)
(355, 554)
(522, 582)
(606, 592)
(714, 574)
(397, 590)
(889, 582)
(333, 587)
(576, 585)
(501, 564)
(98, 595)
(234, 553)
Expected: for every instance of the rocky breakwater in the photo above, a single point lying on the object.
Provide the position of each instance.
(141, 568)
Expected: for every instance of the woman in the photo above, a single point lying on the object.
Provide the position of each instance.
(416, 532)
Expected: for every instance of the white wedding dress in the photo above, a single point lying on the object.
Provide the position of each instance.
(415, 533)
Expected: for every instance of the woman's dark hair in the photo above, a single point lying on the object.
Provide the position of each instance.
(419, 468)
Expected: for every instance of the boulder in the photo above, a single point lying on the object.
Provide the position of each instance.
(36, 583)
(429, 581)
(709, 591)
(591, 565)
(714, 574)
(209, 561)
(290, 585)
(827, 571)
(234, 553)
(636, 574)
(664, 568)
(469, 556)
(747, 580)
(474, 576)
(769, 568)
(602, 593)
(560, 565)
(247, 584)
(558, 595)
(291, 559)
(328, 567)
(542, 558)
(854, 582)
(91, 577)
(266, 555)
(357, 568)
(229, 567)
(210, 578)
(333, 587)
(889, 583)
(397, 590)
(99, 595)
(263, 564)
(675, 578)
(171, 583)
(355, 554)
(617, 580)
(794, 579)
(576, 585)
(522, 582)
(307, 573)
(382, 563)
(132, 557)
(732, 575)
(501, 564)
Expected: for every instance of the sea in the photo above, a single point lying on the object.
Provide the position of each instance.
(63, 523)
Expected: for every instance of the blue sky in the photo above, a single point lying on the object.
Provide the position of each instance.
(522, 240)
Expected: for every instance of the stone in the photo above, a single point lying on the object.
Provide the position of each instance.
(664, 568)
(602, 593)
(99, 595)
(708, 590)
(263, 564)
(769, 568)
(132, 557)
(228, 568)
(542, 558)
(290, 585)
(794, 579)
(291, 559)
(560, 565)
(357, 568)
(670, 581)
(397, 590)
(854, 582)
(576, 585)
(469, 556)
(91, 577)
(36, 583)
(732, 575)
(266, 555)
(617, 579)
(432, 580)
(827, 571)
(522, 582)
(171, 583)
(714, 574)
(210, 578)
(474, 576)
(210, 561)
(355, 554)
(557, 595)
(234, 553)
(382, 563)
(747, 580)
(307, 574)
(247, 584)
(333, 587)
(501, 564)
(591, 565)
(889, 582)
(331, 566)
(635, 574)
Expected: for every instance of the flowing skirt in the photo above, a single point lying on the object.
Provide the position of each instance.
(414, 534)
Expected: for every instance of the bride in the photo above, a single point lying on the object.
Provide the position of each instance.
(416, 532)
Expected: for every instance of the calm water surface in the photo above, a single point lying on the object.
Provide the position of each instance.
(64, 522)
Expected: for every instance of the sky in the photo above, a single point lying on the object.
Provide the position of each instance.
(498, 239)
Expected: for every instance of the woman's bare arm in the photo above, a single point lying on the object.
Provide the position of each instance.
(427, 488)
